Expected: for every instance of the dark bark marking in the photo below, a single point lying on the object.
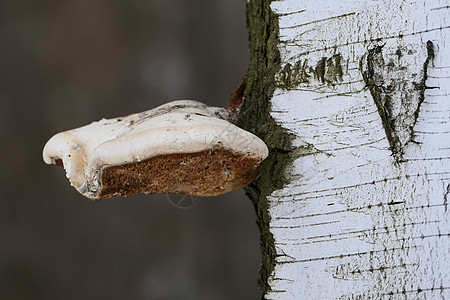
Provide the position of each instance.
(398, 91)
(327, 71)
(447, 192)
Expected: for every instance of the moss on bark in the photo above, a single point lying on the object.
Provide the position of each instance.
(263, 29)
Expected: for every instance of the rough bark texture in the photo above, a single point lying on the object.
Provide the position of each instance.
(352, 98)
(264, 63)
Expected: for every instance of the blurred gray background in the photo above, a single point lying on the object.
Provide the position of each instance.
(66, 63)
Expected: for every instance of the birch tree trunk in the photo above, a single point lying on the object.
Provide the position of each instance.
(352, 98)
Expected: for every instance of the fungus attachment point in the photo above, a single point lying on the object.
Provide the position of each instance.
(182, 147)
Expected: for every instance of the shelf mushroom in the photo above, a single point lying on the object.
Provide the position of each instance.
(182, 147)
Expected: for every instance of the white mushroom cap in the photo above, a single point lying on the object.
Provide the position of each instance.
(181, 128)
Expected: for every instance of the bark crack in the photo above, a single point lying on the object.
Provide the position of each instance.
(447, 192)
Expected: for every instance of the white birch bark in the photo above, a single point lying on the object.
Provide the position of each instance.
(364, 87)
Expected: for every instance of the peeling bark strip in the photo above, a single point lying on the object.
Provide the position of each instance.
(356, 207)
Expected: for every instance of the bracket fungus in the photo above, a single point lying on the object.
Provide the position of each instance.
(182, 147)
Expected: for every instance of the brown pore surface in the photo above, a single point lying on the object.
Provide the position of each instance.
(208, 173)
